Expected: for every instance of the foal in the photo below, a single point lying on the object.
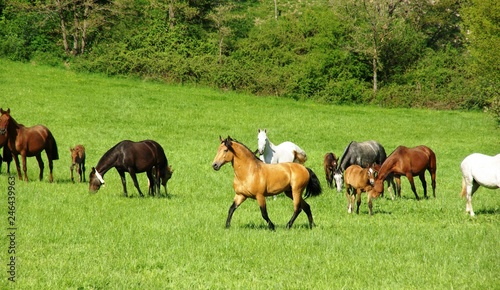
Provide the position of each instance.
(78, 160)
(358, 180)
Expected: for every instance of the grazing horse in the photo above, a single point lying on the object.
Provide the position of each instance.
(359, 153)
(330, 163)
(357, 180)
(409, 162)
(256, 179)
(78, 160)
(133, 157)
(479, 170)
(28, 142)
(284, 152)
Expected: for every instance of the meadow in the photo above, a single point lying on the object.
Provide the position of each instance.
(68, 238)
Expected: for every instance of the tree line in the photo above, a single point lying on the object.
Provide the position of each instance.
(398, 53)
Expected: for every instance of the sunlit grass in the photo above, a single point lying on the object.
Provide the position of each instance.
(69, 238)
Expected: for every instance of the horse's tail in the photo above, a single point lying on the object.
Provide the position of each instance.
(314, 186)
(52, 149)
(301, 157)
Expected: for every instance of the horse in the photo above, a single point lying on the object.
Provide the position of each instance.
(7, 156)
(330, 164)
(256, 179)
(362, 154)
(409, 162)
(133, 157)
(479, 170)
(284, 152)
(78, 161)
(28, 142)
(357, 180)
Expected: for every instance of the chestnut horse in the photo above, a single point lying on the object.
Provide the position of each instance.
(357, 180)
(409, 162)
(28, 141)
(330, 163)
(256, 179)
(133, 157)
(78, 161)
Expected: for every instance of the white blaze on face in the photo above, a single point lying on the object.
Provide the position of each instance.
(99, 177)
(261, 141)
(371, 176)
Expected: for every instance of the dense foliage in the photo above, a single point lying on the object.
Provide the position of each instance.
(439, 54)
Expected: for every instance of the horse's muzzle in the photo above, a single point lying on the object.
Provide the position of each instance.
(216, 166)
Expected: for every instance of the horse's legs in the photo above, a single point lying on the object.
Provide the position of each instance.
(122, 176)
(412, 183)
(82, 165)
(134, 179)
(25, 168)
(424, 183)
(433, 182)
(238, 199)
(370, 205)
(263, 210)
(471, 188)
(307, 209)
(16, 160)
(358, 199)
(51, 167)
(397, 187)
(40, 165)
(348, 196)
(152, 183)
(71, 170)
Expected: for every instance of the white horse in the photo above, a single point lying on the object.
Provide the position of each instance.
(284, 152)
(479, 169)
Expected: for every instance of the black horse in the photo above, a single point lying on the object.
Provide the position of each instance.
(363, 154)
(7, 156)
(133, 157)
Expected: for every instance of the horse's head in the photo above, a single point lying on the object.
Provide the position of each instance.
(339, 179)
(371, 175)
(95, 180)
(74, 155)
(4, 121)
(262, 140)
(225, 153)
(330, 164)
(377, 189)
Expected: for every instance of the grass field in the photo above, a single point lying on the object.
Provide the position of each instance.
(67, 238)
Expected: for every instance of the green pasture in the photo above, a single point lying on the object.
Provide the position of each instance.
(67, 238)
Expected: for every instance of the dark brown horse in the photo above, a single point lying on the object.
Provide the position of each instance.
(7, 156)
(28, 142)
(407, 162)
(133, 157)
(330, 163)
(78, 161)
(255, 179)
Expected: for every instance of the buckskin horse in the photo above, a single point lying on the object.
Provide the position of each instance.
(133, 157)
(357, 180)
(256, 179)
(408, 162)
(28, 142)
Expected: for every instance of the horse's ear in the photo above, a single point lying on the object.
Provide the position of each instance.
(92, 171)
(220, 138)
(265, 130)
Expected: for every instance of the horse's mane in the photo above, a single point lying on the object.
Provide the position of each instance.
(244, 146)
(344, 154)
